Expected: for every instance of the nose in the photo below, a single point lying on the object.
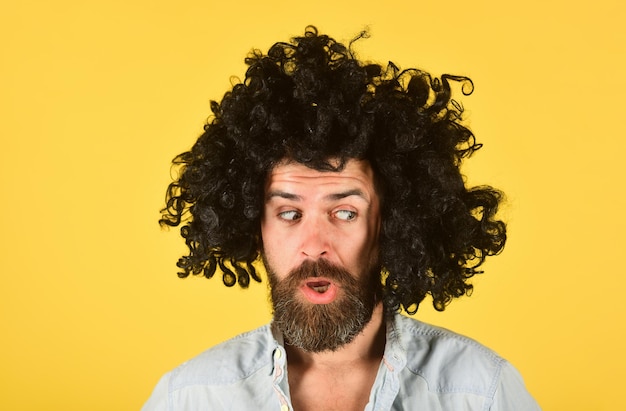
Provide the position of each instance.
(315, 240)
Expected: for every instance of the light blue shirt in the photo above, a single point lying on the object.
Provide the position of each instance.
(423, 368)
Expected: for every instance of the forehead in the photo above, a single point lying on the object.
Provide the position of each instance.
(356, 173)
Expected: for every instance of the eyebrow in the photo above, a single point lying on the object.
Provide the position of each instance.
(348, 193)
(282, 194)
(331, 197)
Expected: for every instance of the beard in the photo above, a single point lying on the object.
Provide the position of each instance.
(323, 327)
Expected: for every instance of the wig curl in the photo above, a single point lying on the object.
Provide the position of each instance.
(311, 100)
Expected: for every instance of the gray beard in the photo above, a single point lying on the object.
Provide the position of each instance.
(323, 327)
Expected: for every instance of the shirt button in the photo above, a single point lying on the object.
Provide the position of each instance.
(284, 408)
(277, 355)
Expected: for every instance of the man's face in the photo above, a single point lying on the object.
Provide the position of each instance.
(320, 244)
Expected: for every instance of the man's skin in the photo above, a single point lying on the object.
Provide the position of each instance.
(310, 214)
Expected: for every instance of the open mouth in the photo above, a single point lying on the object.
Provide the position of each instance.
(319, 290)
(319, 286)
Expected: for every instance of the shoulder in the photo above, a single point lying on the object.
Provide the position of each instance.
(228, 362)
(242, 364)
(452, 371)
(446, 360)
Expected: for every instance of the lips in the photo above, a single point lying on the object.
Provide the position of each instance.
(319, 291)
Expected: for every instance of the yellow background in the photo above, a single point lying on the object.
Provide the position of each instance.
(96, 97)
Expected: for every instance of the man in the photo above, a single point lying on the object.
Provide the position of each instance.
(343, 177)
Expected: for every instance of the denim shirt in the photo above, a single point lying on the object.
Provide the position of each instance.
(423, 368)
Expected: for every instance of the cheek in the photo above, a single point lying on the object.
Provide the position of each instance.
(369, 250)
(273, 248)
(356, 251)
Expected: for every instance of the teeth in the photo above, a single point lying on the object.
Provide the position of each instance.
(320, 288)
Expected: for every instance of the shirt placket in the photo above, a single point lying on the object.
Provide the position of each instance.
(278, 375)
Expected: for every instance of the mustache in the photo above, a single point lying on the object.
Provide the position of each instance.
(320, 268)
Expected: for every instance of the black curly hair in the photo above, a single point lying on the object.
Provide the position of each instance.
(311, 100)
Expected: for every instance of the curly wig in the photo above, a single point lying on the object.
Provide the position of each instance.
(311, 100)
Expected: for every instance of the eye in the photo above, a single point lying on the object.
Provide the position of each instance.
(345, 215)
(289, 215)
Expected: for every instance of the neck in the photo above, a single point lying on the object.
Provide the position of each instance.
(366, 347)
